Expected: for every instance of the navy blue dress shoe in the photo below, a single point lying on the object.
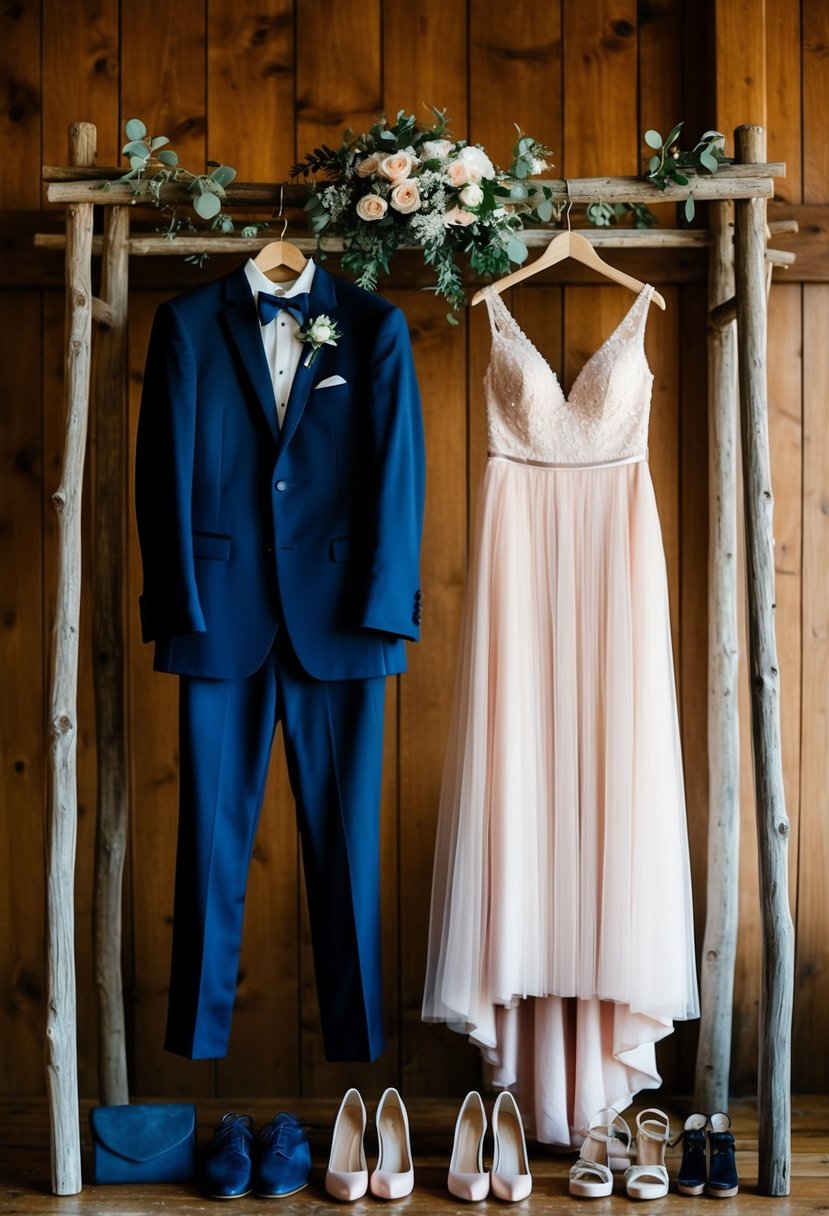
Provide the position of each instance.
(283, 1157)
(227, 1164)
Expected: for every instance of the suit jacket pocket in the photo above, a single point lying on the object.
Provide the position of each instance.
(212, 545)
(341, 548)
(330, 396)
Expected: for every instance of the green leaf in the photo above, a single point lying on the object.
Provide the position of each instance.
(168, 157)
(671, 140)
(653, 164)
(451, 318)
(680, 179)
(136, 147)
(516, 250)
(135, 129)
(522, 169)
(653, 139)
(388, 135)
(158, 142)
(708, 161)
(689, 208)
(224, 175)
(518, 191)
(138, 162)
(207, 205)
(545, 211)
(525, 143)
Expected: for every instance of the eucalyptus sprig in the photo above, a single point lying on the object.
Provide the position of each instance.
(153, 164)
(669, 160)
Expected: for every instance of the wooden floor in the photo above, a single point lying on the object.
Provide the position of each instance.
(25, 1185)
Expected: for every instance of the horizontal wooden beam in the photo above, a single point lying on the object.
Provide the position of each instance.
(22, 265)
(729, 182)
(157, 245)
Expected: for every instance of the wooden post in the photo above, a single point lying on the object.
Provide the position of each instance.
(774, 1065)
(720, 943)
(61, 1030)
(109, 412)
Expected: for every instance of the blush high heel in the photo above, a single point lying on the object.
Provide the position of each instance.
(394, 1176)
(510, 1179)
(467, 1179)
(648, 1179)
(347, 1174)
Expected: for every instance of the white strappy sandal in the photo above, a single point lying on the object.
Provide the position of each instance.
(648, 1179)
(606, 1144)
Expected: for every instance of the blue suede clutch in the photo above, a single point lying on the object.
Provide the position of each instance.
(151, 1143)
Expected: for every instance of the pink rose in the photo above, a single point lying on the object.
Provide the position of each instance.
(372, 207)
(457, 174)
(368, 166)
(457, 215)
(397, 167)
(405, 197)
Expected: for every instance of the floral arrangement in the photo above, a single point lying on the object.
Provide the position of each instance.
(402, 185)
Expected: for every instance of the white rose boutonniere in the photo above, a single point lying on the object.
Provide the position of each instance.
(322, 331)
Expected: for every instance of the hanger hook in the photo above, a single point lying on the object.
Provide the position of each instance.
(281, 196)
(569, 204)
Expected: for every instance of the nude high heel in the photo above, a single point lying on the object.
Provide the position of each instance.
(467, 1179)
(394, 1176)
(510, 1178)
(347, 1174)
(648, 1179)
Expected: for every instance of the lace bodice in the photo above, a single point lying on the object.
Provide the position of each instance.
(605, 416)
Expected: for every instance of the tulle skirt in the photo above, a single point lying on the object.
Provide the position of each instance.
(561, 933)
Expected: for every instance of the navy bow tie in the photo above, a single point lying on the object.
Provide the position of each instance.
(268, 306)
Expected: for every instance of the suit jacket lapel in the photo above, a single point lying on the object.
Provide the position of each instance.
(243, 323)
(323, 299)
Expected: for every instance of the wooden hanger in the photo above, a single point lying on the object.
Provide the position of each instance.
(569, 244)
(280, 260)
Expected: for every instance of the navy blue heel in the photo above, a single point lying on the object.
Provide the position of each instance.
(723, 1182)
(692, 1171)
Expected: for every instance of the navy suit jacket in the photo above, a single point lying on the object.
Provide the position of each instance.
(245, 529)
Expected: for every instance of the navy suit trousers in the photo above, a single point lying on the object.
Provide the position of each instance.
(333, 735)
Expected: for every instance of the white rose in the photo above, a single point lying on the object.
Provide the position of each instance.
(372, 207)
(321, 332)
(477, 162)
(436, 149)
(405, 197)
(397, 167)
(471, 195)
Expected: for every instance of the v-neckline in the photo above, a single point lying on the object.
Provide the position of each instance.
(567, 397)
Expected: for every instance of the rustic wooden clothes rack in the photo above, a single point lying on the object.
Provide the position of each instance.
(740, 266)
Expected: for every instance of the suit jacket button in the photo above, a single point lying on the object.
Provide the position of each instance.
(281, 485)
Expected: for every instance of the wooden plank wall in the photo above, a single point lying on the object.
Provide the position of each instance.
(255, 84)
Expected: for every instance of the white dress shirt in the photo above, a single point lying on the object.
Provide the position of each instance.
(283, 348)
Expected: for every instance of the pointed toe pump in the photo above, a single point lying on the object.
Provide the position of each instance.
(510, 1179)
(467, 1179)
(606, 1147)
(648, 1179)
(347, 1174)
(722, 1168)
(692, 1170)
(394, 1176)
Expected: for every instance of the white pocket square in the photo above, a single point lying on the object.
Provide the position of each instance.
(331, 381)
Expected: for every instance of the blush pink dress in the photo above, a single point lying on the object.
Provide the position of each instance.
(561, 933)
